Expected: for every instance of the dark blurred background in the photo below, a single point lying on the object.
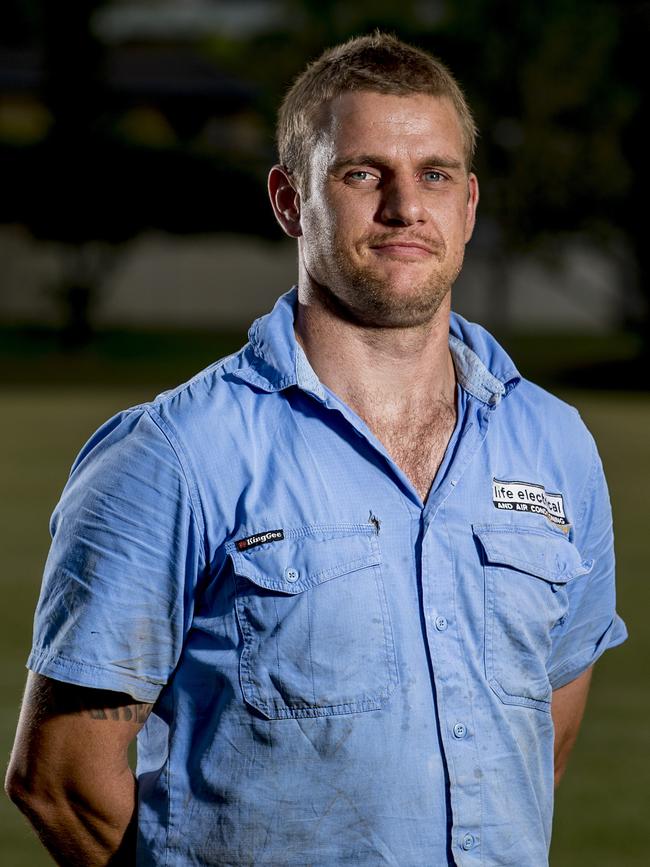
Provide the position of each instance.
(135, 137)
(136, 245)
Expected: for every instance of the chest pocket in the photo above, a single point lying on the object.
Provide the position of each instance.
(526, 575)
(315, 624)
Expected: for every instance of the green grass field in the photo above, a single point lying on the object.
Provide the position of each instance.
(603, 803)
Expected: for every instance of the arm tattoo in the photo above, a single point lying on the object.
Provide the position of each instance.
(55, 698)
(137, 713)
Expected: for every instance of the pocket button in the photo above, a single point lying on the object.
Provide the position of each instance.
(468, 842)
(291, 575)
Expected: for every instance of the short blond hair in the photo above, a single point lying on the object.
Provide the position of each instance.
(379, 63)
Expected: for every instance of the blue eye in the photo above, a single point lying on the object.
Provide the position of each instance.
(433, 176)
(359, 176)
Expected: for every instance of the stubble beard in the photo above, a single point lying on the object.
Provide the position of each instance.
(368, 299)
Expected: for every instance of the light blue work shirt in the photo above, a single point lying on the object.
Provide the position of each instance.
(341, 674)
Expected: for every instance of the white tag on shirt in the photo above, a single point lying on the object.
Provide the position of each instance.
(528, 497)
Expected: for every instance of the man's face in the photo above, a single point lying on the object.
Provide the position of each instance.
(389, 207)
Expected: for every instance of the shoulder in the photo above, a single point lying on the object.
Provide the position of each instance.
(153, 439)
(169, 417)
(199, 404)
(547, 411)
(547, 418)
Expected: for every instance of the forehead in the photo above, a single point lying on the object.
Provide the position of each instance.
(368, 122)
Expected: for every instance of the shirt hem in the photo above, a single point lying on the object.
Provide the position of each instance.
(577, 665)
(82, 674)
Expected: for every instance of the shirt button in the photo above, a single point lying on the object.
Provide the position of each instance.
(441, 624)
(291, 574)
(459, 730)
(468, 841)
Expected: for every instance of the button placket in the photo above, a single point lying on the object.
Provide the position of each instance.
(449, 661)
(460, 730)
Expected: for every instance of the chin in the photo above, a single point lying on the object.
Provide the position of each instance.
(390, 306)
(400, 297)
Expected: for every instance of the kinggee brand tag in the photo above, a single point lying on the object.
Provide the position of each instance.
(259, 539)
(528, 497)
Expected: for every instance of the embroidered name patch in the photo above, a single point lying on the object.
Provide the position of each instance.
(528, 497)
(259, 539)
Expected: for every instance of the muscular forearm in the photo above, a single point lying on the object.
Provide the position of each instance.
(568, 707)
(69, 771)
(90, 828)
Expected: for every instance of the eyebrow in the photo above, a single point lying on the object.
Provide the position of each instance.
(379, 162)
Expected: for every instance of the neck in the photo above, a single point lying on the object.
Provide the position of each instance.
(395, 368)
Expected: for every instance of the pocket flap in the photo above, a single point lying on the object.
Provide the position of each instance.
(307, 556)
(542, 553)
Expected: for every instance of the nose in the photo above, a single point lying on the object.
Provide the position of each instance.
(402, 203)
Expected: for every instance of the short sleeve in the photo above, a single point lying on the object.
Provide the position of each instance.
(592, 624)
(125, 555)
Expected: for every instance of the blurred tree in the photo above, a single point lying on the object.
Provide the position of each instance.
(273, 58)
(553, 105)
(89, 187)
(73, 91)
(555, 92)
(19, 20)
(631, 212)
(555, 88)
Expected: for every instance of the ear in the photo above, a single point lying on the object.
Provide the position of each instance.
(472, 202)
(285, 200)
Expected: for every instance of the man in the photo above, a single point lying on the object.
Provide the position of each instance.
(348, 584)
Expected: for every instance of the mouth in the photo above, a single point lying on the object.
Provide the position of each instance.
(403, 249)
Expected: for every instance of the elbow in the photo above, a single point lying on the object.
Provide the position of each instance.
(16, 787)
(37, 805)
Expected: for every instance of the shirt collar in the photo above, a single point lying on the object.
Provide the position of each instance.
(483, 368)
(275, 360)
